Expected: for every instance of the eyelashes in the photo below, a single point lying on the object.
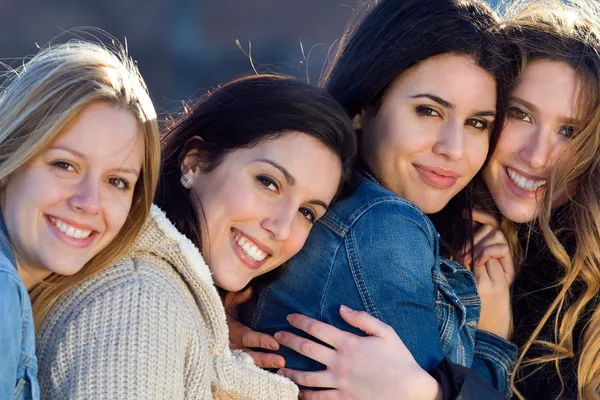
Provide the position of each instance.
(271, 185)
(479, 124)
(65, 166)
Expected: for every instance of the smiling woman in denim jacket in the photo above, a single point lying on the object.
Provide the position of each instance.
(79, 156)
(429, 98)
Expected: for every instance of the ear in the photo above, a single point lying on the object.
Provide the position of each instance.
(191, 161)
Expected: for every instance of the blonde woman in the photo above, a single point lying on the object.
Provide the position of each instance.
(79, 161)
(246, 174)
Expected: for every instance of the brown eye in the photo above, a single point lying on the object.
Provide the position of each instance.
(517, 113)
(268, 183)
(478, 124)
(425, 111)
(63, 165)
(119, 183)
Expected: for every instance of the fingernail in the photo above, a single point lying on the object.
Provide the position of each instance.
(277, 335)
(274, 345)
(278, 364)
(345, 309)
(281, 372)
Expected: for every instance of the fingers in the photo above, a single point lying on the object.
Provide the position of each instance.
(481, 276)
(307, 347)
(320, 330)
(367, 323)
(316, 379)
(266, 360)
(495, 271)
(487, 236)
(479, 235)
(497, 251)
(260, 340)
(485, 218)
(233, 300)
(321, 395)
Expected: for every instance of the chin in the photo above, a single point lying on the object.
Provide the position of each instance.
(518, 215)
(230, 285)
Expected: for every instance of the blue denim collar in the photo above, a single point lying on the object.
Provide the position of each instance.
(5, 246)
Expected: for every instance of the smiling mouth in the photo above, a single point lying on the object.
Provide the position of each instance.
(249, 248)
(524, 183)
(70, 230)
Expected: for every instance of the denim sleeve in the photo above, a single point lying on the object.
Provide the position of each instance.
(390, 253)
(10, 333)
(494, 360)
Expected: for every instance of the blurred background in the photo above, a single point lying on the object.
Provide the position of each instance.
(184, 47)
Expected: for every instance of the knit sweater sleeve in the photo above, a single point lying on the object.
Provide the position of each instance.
(127, 336)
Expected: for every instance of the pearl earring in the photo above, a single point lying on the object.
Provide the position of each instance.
(186, 181)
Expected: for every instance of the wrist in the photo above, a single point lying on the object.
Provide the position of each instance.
(427, 388)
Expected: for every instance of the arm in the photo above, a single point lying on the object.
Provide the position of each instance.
(124, 340)
(374, 367)
(10, 333)
(390, 254)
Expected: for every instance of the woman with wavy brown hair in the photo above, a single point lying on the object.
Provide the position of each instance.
(546, 168)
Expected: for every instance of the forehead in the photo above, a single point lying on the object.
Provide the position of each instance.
(104, 133)
(455, 78)
(552, 86)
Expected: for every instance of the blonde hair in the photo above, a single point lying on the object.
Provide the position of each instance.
(568, 32)
(41, 98)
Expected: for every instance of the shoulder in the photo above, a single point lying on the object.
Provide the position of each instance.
(371, 205)
(142, 287)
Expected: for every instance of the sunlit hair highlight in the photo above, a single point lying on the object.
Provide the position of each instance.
(41, 98)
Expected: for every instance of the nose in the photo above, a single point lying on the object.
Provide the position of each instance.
(86, 199)
(536, 152)
(450, 141)
(279, 221)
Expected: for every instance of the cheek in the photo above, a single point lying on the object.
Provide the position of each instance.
(510, 142)
(115, 208)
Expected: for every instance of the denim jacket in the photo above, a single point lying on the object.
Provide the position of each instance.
(18, 363)
(377, 252)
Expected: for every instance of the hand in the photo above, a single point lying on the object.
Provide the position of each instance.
(494, 272)
(241, 337)
(375, 367)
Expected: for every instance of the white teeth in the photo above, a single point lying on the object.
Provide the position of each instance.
(71, 230)
(249, 248)
(526, 184)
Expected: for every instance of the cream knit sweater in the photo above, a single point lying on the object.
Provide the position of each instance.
(150, 327)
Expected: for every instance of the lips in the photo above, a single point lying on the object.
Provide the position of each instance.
(523, 185)
(70, 232)
(438, 177)
(249, 250)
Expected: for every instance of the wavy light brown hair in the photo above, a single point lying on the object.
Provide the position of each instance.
(41, 98)
(568, 32)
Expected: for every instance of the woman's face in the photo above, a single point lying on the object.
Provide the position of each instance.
(431, 134)
(70, 202)
(260, 203)
(541, 119)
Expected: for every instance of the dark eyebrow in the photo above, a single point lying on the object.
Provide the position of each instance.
(435, 98)
(486, 114)
(288, 177)
(133, 171)
(449, 105)
(290, 180)
(319, 203)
